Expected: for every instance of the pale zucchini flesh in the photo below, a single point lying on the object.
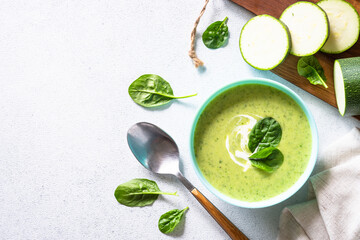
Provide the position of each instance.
(347, 85)
(344, 25)
(264, 42)
(339, 88)
(308, 26)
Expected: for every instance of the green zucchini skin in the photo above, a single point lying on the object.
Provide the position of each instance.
(350, 68)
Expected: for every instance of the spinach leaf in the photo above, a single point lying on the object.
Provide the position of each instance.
(262, 154)
(168, 221)
(268, 159)
(216, 34)
(310, 68)
(151, 90)
(266, 133)
(138, 192)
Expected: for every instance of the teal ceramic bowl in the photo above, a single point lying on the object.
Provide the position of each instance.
(303, 178)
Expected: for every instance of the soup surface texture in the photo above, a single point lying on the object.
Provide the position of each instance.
(221, 138)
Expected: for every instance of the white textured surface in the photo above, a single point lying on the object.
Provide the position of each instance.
(64, 71)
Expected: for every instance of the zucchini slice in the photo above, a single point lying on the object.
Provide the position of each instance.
(347, 85)
(264, 42)
(344, 25)
(308, 26)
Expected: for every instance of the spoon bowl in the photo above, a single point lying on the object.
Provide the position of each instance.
(153, 148)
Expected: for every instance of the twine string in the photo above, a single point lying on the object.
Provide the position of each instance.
(197, 62)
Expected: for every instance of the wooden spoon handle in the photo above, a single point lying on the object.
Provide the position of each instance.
(225, 223)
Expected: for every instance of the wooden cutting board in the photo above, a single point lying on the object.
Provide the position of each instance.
(287, 69)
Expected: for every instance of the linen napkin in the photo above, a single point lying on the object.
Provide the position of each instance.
(333, 209)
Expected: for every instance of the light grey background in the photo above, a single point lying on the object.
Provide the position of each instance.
(65, 67)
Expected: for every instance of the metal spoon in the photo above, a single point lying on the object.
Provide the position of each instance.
(158, 152)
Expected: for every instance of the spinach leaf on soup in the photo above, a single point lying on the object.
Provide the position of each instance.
(151, 90)
(310, 68)
(266, 133)
(168, 221)
(138, 192)
(216, 34)
(268, 159)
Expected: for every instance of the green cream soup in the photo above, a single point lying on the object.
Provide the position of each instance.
(221, 138)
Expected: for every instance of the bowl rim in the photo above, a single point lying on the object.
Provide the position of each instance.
(302, 179)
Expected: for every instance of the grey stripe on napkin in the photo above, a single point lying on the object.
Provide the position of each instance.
(333, 209)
